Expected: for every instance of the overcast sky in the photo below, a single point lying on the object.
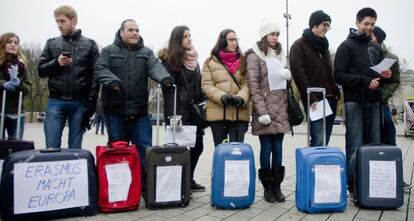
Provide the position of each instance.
(33, 20)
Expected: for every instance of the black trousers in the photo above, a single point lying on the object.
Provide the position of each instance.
(234, 129)
(195, 153)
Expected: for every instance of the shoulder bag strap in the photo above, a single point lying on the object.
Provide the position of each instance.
(234, 79)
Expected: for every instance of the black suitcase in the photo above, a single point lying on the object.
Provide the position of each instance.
(11, 145)
(164, 166)
(379, 177)
(49, 183)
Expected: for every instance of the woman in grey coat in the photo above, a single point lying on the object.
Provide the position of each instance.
(267, 79)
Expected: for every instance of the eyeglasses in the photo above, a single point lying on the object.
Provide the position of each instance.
(233, 39)
(326, 25)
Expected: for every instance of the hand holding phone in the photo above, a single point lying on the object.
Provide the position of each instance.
(64, 58)
(66, 54)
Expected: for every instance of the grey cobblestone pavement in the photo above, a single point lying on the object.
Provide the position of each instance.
(200, 209)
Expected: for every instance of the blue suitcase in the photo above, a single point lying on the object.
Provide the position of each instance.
(320, 175)
(319, 172)
(233, 176)
(382, 165)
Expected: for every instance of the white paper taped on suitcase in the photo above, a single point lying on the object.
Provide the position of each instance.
(47, 186)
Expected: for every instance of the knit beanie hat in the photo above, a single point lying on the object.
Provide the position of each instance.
(317, 18)
(268, 27)
(379, 34)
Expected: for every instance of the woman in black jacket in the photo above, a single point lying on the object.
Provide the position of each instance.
(180, 59)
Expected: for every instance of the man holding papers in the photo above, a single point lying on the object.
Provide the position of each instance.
(311, 66)
(361, 86)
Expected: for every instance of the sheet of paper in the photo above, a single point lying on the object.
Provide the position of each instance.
(119, 181)
(184, 135)
(318, 112)
(383, 65)
(382, 179)
(53, 185)
(168, 183)
(276, 82)
(236, 178)
(327, 184)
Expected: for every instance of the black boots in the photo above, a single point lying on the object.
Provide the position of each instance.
(278, 175)
(266, 177)
(271, 180)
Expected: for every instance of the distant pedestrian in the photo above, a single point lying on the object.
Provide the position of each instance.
(99, 118)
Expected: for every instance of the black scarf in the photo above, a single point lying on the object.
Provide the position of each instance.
(321, 45)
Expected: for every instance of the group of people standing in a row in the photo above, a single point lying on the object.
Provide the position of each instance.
(234, 85)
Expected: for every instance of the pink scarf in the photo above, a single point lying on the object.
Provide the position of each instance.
(230, 60)
(190, 60)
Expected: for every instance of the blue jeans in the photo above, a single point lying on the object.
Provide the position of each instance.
(271, 144)
(388, 133)
(317, 126)
(362, 123)
(57, 112)
(10, 125)
(137, 131)
(100, 122)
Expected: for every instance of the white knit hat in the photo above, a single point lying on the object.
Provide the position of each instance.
(267, 27)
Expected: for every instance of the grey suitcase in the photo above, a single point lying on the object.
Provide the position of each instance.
(379, 177)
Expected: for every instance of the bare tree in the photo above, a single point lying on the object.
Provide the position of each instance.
(36, 99)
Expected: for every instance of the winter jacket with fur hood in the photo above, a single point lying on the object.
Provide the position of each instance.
(265, 101)
(129, 69)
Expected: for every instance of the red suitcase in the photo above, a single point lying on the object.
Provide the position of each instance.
(119, 177)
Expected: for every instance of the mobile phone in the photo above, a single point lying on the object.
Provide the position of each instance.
(66, 54)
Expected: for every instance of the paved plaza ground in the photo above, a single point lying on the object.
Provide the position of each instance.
(200, 209)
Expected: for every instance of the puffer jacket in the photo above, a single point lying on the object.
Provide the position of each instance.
(74, 81)
(353, 60)
(265, 101)
(216, 82)
(129, 69)
(12, 97)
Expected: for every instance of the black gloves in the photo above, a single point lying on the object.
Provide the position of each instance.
(238, 101)
(167, 83)
(86, 124)
(227, 100)
(89, 110)
(235, 101)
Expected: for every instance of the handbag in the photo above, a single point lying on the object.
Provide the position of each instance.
(295, 114)
(198, 113)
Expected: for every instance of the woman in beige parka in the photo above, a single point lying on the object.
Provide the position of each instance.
(224, 83)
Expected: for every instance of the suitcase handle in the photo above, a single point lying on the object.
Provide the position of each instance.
(50, 150)
(322, 147)
(19, 111)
